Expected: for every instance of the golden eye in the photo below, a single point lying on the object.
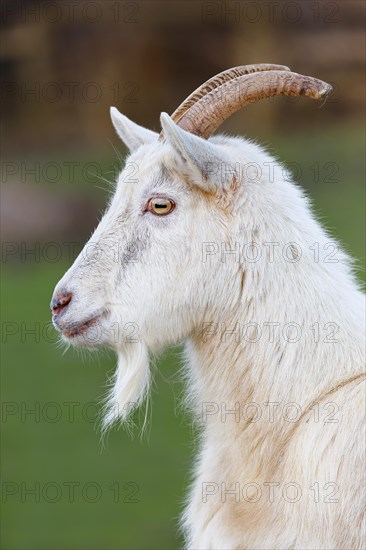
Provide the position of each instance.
(160, 206)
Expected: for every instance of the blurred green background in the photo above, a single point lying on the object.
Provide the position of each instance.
(61, 70)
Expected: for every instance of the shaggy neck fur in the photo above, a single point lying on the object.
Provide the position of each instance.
(287, 349)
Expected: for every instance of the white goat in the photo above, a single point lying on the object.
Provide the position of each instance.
(219, 249)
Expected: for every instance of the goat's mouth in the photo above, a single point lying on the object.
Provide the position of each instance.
(89, 332)
(81, 328)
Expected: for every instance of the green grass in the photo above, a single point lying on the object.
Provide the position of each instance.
(35, 371)
(332, 172)
(69, 450)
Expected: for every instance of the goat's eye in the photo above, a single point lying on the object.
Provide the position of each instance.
(160, 206)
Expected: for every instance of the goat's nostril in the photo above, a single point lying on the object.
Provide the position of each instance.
(60, 302)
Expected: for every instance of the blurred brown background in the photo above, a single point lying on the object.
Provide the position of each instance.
(63, 63)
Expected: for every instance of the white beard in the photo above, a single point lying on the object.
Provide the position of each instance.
(131, 383)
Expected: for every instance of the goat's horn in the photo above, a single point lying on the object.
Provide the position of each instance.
(212, 109)
(220, 79)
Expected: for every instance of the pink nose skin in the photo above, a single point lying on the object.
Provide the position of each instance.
(60, 302)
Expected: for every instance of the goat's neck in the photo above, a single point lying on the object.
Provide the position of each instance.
(233, 379)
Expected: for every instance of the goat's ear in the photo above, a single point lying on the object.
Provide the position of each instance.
(130, 133)
(207, 164)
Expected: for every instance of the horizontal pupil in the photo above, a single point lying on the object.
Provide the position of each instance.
(157, 205)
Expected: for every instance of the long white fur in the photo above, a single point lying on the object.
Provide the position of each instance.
(188, 280)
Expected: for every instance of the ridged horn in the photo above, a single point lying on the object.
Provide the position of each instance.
(220, 79)
(212, 109)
